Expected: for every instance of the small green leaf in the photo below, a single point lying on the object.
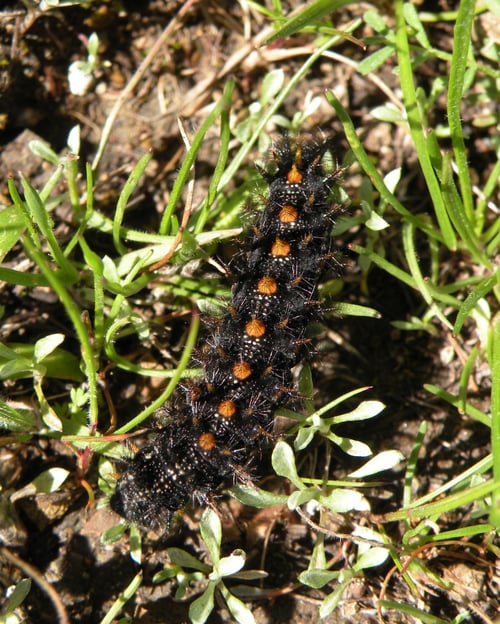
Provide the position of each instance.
(44, 151)
(332, 600)
(391, 179)
(284, 463)
(413, 20)
(317, 578)
(93, 45)
(311, 14)
(352, 309)
(372, 558)
(45, 346)
(364, 411)
(255, 497)
(231, 564)
(184, 559)
(238, 609)
(16, 369)
(210, 307)
(11, 227)
(135, 544)
(304, 437)
(389, 113)
(200, 609)
(271, 85)
(110, 272)
(211, 532)
(16, 598)
(250, 575)
(366, 534)
(372, 62)
(60, 364)
(306, 383)
(46, 482)
(344, 500)
(376, 223)
(16, 419)
(299, 497)
(73, 140)
(113, 534)
(376, 21)
(383, 461)
(50, 480)
(355, 448)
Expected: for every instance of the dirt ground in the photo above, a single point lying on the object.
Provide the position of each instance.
(58, 535)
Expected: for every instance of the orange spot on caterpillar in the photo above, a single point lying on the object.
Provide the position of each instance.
(294, 176)
(226, 408)
(242, 370)
(288, 214)
(255, 328)
(280, 247)
(206, 441)
(267, 286)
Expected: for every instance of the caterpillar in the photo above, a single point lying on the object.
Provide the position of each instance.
(227, 415)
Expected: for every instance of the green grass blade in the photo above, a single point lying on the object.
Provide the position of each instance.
(418, 126)
(376, 179)
(122, 599)
(181, 179)
(481, 290)
(75, 315)
(495, 419)
(41, 218)
(458, 67)
(313, 12)
(127, 191)
(458, 215)
(421, 284)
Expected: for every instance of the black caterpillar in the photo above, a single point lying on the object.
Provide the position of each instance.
(247, 364)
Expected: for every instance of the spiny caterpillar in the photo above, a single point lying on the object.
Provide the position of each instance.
(228, 413)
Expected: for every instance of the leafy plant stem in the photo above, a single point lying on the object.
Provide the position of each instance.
(181, 178)
(376, 179)
(420, 282)
(89, 207)
(458, 66)
(488, 190)
(416, 125)
(71, 170)
(126, 594)
(127, 190)
(183, 363)
(74, 314)
(225, 137)
(38, 214)
(495, 419)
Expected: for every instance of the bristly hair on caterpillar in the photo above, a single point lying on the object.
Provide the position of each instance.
(228, 414)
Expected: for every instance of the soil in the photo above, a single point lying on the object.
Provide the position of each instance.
(57, 537)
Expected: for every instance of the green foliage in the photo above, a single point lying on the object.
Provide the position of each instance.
(14, 599)
(228, 568)
(459, 227)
